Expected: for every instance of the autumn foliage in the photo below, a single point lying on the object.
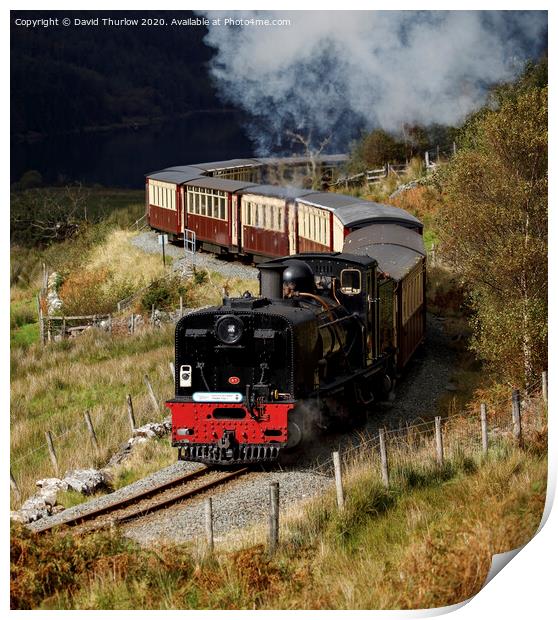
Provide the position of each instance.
(494, 231)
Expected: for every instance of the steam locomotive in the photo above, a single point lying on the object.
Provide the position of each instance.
(327, 335)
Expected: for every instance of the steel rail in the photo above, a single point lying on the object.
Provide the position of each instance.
(181, 495)
(144, 495)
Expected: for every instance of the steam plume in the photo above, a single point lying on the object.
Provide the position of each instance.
(339, 72)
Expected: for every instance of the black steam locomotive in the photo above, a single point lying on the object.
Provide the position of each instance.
(327, 335)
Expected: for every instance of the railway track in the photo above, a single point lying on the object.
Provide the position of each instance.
(145, 502)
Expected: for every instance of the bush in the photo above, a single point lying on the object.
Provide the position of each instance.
(200, 277)
(83, 292)
(164, 294)
(444, 293)
(29, 179)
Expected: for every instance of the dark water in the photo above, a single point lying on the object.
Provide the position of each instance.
(122, 157)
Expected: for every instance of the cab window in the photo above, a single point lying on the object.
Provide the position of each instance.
(351, 283)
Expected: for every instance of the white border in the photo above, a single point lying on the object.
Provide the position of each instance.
(524, 588)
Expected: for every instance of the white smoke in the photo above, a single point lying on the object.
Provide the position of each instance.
(339, 72)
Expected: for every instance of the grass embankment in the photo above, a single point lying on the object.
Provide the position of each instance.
(107, 210)
(425, 542)
(52, 387)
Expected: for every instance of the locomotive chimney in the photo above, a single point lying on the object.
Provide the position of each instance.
(271, 280)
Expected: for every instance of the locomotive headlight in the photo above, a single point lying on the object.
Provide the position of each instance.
(229, 329)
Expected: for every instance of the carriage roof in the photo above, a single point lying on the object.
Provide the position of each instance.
(217, 183)
(396, 249)
(226, 164)
(178, 175)
(277, 191)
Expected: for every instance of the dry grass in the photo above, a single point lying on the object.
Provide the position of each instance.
(127, 265)
(54, 385)
(425, 542)
(145, 459)
(424, 202)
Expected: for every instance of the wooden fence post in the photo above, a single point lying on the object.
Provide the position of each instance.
(273, 516)
(338, 481)
(132, 323)
(181, 307)
(439, 442)
(41, 324)
(91, 430)
(130, 408)
(409, 433)
(152, 394)
(14, 487)
(209, 523)
(383, 457)
(516, 416)
(52, 452)
(544, 380)
(171, 366)
(484, 429)
(153, 315)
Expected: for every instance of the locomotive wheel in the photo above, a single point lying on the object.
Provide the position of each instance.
(386, 386)
(295, 428)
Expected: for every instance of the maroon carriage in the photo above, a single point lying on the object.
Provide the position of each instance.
(164, 197)
(212, 212)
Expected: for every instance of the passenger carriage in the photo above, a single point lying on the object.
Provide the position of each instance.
(212, 212)
(401, 257)
(164, 197)
(324, 219)
(267, 220)
(229, 212)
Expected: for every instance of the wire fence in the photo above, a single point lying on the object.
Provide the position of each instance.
(406, 445)
(90, 441)
(461, 433)
(432, 158)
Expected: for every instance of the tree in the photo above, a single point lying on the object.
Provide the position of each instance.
(312, 153)
(494, 231)
(376, 149)
(415, 140)
(41, 216)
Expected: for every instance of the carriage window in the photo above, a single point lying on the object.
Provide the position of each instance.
(350, 282)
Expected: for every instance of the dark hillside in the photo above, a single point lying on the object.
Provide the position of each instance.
(66, 79)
